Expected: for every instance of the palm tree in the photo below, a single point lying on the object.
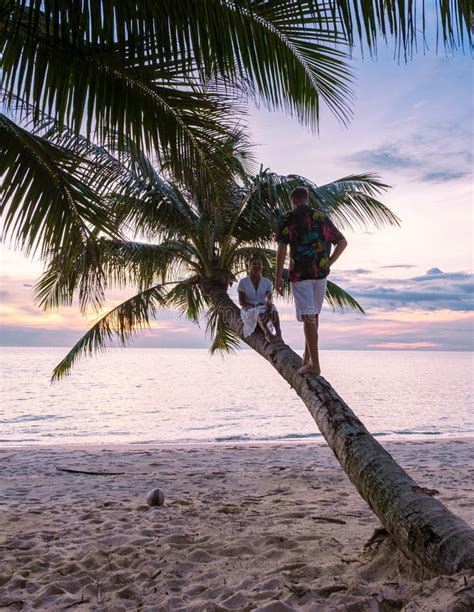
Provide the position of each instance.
(192, 246)
(190, 253)
(87, 86)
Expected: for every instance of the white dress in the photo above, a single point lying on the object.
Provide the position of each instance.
(253, 296)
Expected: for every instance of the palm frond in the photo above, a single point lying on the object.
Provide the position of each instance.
(50, 197)
(253, 220)
(349, 201)
(118, 51)
(125, 320)
(188, 298)
(338, 298)
(289, 51)
(121, 264)
(404, 21)
(224, 340)
(160, 208)
(69, 272)
(136, 102)
(352, 201)
(142, 264)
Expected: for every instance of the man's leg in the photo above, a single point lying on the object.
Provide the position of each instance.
(306, 357)
(310, 323)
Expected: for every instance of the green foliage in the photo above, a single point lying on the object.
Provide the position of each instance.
(340, 299)
(51, 196)
(349, 201)
(352, 201)
(405, 22)
(188, 298)
(162, 80)
(69, 272)
(195, 244)
(124, 56)
(128, 124)
(124, 320)
(223, 339)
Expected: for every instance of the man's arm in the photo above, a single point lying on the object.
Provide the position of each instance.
(338, 250)
(281, 256)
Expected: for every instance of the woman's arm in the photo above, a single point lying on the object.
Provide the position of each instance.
(243, 300)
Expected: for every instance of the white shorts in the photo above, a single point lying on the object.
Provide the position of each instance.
(309, 296)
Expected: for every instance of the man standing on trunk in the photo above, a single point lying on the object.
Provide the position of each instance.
(310, 235)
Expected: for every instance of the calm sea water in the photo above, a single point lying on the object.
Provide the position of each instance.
(176, 395)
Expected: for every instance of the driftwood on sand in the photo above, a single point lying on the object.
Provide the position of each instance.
(89, 472)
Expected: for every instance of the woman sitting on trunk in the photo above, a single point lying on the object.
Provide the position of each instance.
(255, 298)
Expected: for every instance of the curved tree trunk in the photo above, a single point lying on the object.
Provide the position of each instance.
(423, 528)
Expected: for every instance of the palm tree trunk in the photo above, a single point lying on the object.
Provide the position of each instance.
(423, 528)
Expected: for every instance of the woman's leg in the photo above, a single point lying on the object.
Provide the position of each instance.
(276, 324)
(263, 323)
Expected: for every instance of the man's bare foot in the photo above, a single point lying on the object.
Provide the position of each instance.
(308, 368)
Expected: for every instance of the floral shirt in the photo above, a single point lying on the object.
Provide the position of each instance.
(310, 235)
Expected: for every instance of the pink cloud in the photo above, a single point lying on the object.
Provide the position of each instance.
(404, 345)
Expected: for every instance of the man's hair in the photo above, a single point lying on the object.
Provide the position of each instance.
(254, 257)
(299, 194)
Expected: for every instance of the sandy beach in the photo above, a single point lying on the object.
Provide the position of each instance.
(269, 527)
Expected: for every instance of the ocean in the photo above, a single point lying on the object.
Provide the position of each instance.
(156, 396)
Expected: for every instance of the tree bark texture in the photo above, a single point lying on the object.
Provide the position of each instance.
(423, 528)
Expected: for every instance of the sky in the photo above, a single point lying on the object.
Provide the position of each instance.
(412, 125)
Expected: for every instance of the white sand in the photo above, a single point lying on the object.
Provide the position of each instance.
(243, 527)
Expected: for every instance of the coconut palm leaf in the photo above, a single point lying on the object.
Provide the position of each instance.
(338, 298)
(159, 208)
(254, 216)
(143, 264)
(50, 197)
(348, 201)
(285, 48)
(223, 339)
(404, 21)
(71, 271)
(119, 51)
(123, 321)
(120, 264)
(188, 298)
(182, 125)
(352, 201)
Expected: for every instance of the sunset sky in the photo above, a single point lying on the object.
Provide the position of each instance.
(413, 126)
